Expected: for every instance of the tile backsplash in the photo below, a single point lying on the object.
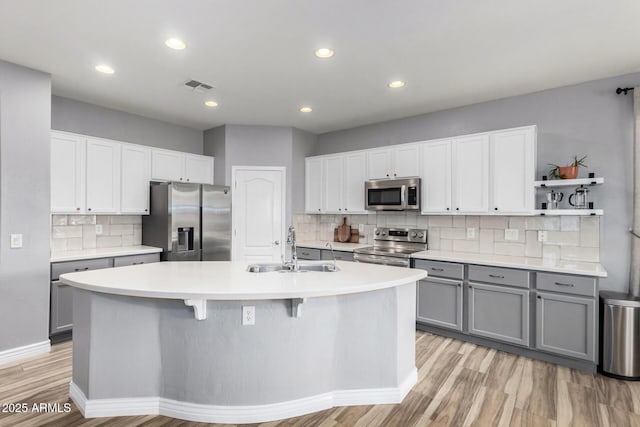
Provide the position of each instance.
(75, 232)
(569, 238)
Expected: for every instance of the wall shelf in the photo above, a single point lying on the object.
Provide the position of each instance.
(568, 182)
(561, 212)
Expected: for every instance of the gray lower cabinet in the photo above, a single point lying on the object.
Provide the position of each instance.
(498, 312)
(61, 304)
(61, 308)
(340, 255)
(308, 254)
(440, 303)
(566, 325)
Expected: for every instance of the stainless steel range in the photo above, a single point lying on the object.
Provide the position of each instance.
(393, 246)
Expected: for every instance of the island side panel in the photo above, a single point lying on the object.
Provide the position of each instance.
(144, 347)
(278, 359)
(122, 344)
(373, 350)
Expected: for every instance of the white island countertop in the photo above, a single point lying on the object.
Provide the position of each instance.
(593, 269)
(61, 256)
(227, 280)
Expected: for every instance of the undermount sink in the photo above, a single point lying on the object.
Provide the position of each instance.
(327, 267)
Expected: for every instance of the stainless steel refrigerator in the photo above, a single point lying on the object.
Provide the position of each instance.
(190, 222)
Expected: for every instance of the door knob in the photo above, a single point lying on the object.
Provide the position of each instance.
(277, 242)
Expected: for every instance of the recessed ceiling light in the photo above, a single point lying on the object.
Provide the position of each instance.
(324, 52)
(176, 44)
(211, 103)
(306, 109)
(105, 69)
(396, 84)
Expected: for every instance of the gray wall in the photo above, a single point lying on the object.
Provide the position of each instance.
(25, 114)
(88, 119)
(303, 146)
(585, 119)
(214, 145)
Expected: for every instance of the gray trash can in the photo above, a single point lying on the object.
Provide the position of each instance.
(620, 335)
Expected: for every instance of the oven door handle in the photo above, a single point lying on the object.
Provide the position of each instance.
(374, 259)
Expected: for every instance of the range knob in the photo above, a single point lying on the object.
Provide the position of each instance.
(384, 233)
(414, 234)
(377, 232)
(420, 235)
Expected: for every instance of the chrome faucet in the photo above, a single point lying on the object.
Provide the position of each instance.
(291, 240)
(330, 246)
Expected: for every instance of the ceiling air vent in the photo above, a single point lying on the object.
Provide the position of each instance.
(198, 86)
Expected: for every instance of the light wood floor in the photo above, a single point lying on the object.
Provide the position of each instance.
(459, 384)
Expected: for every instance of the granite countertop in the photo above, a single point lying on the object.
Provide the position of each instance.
(538, 264)
(229, 280)
(61, 256)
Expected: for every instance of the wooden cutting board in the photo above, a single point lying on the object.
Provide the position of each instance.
(344, 231)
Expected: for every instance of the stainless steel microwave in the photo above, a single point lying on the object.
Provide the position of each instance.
(392, 194)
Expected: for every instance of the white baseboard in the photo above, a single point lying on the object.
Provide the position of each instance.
(238, 414)
(25, 351)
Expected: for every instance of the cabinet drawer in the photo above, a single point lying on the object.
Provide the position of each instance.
(340, 255)
(310, 254)
(577, 285)
(500, 276)
(123, 261)
(441, 269)
(59, 268)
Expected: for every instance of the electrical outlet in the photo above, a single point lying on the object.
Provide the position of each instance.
(471, 233)
(16, 241)
(511, 234)
(542, 236)
(248, 315)
(98, 229)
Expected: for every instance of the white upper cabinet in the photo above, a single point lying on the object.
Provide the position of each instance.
(67, 173)
(470, 160)
(379, 163)
(436, 176)
(168, 165)
(313, 185)
(513, 165)
(406, 160)
(136, 174)
(354, 176)
(198, 168)
(335, 183)
(333, 188)
(103, 176)
(394, 162)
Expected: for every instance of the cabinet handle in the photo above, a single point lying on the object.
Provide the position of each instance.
(180, 179)
(437, 269)
(138, 263)
(457, 209)
(345, 209)
(146, 210)
(77, 209)
(338, 257)
(394, 174)
(569, 285)
(81, 269)
(495, 209)
(187, 179)
(318, 209)
(459, 284)
(447, 208)
(387, 175)
(495, 276)
(89, 209)
(340, 209)
(539, 297)
(305, 253)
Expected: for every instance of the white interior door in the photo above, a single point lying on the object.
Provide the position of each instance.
(258, 213)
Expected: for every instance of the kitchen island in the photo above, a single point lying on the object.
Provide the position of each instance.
(168, 339)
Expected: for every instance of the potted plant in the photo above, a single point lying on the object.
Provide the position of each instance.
(567, 172)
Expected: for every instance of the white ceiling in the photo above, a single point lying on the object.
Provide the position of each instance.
(259, 54)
